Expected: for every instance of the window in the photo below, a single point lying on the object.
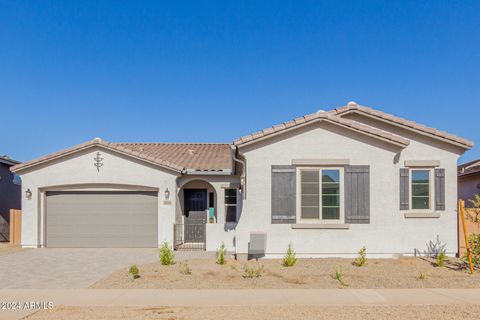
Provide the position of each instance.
(420, 189)
(17, 180)
(321, 194)
(231, 205)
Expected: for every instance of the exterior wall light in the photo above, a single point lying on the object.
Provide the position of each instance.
(167, 194)
(28, 194)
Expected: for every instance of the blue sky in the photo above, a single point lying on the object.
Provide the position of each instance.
(213, 71)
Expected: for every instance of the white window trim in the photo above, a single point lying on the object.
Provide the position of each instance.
(231, 205)
(431, 190)
(299, 196)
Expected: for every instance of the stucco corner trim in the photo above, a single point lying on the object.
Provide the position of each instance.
(422, 215)
(320, 162)
(320, 226)
(422, 163)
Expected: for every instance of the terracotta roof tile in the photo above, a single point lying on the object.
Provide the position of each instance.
(354, 107)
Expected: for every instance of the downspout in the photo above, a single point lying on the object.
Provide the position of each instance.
(243, 177)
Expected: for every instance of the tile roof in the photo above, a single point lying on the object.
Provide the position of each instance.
(326, 117)
(447, 137)
(8, 161)
(472, 167)
(173, 156)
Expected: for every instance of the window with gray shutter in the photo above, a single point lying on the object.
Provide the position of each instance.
(283, 194)
(440, 189)
(404, 186)
(357, 194)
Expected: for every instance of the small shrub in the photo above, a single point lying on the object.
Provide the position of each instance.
(422, 276)
(289, 259)
(233, 267)
(252, 272)
(434, 248)
(361, 260)
(441, 258)
(221, 254)
(474, 243)
(166, 254)
(185, 268)
(134, 273)
(338, 275)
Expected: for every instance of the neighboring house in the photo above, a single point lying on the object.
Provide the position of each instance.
(10, 197)
(329, 183)
(469, 181)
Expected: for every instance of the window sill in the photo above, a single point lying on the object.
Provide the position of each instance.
(320, 226)
(422, 215)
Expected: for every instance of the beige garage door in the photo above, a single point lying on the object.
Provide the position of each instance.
(101, 219)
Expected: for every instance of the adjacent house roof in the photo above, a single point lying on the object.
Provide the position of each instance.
(174, 156)
(8, 161)
(322, 116)
(420, 128)
(469, 168)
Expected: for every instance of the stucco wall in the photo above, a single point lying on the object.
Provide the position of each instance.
(389, 231)
(468, 187)
(9, 192)
(78, 172)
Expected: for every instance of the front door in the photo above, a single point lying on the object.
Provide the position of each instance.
(195, 215)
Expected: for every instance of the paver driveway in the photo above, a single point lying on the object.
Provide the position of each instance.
(66, 268)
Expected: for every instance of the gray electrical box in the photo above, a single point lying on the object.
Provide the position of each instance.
(257, 245)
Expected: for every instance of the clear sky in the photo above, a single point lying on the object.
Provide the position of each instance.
(213, 71)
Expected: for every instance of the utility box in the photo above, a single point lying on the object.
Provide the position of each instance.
(257, 245)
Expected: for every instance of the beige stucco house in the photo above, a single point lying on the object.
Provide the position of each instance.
(329, 183)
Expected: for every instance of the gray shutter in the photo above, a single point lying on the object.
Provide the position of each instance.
(283, 194)
(404, 186)
(357, 194)
(440, 189)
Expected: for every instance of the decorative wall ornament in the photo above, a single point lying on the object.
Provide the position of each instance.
(98, 161)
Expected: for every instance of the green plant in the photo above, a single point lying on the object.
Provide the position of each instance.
(361, 260)
(166, 254)
(289, 259)
(134, 272)
(185, 268)
(441, 258)
(221, 254)
(422, 276)
(338, 275)
(474, 243)
(252, 272)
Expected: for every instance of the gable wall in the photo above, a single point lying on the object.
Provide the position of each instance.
(388, 233)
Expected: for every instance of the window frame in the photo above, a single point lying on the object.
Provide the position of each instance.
(231, 204)
(431, 189)
(320, 220)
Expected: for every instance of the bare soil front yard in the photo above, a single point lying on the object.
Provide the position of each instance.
(7, 248)
(439, 312)
(307, 273)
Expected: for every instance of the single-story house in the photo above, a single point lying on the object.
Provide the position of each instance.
(10, 194)
(328, 183)
(469, 181)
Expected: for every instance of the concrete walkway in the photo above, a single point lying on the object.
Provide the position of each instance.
(187, 297)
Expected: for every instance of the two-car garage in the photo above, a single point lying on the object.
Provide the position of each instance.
(101, 219)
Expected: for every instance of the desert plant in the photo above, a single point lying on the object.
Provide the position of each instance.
(434, 248)
(289, 259)
(221, 254)
(422, 276)
(338, 275)
(474, 243)
(185, 268)
(134, 272)
(441, 258)
(166, 254)
(252, 272)
(361, 260)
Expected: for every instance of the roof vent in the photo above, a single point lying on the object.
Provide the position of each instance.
(191, 152)
(321, 111)
(97, 139)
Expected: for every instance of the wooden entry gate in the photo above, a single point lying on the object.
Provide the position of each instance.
(15, 226)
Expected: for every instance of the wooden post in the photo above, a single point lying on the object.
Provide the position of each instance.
(15, 227)
(461, 212)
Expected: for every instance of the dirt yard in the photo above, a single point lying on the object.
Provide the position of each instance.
(307, 273)
(460, 312)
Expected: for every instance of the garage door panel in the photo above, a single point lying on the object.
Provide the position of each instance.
(101, 219)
